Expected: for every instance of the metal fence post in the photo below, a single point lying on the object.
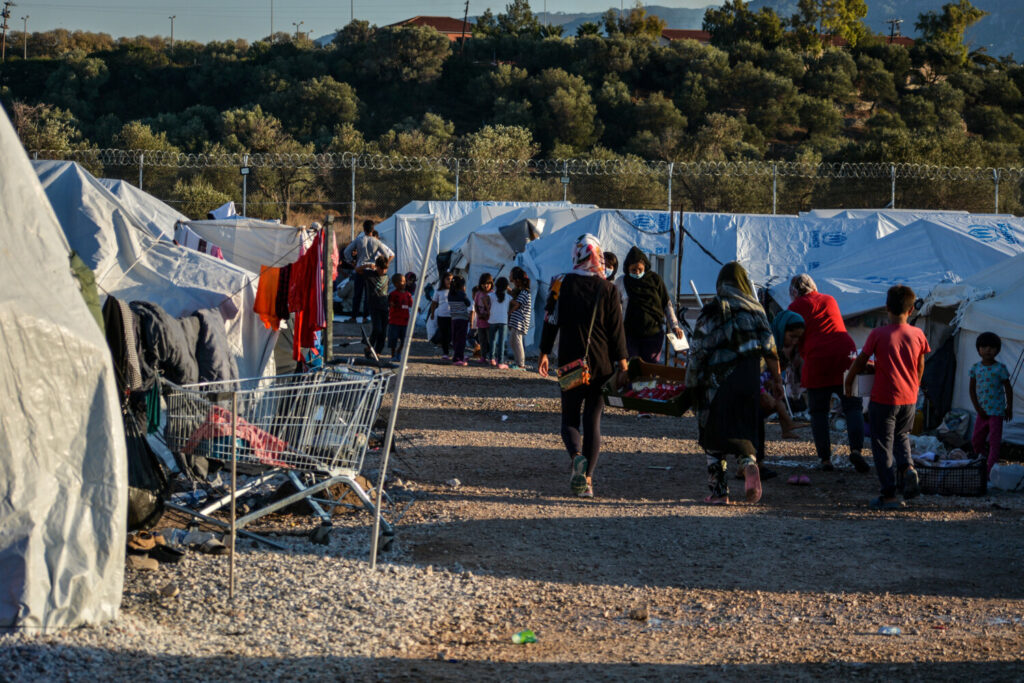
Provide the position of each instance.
(892, 192)
(142, 161)
(352, 223)
(671, 168)
(995, 177)
(775, 186)
(456, 180)
(565, 181)
(245, 184)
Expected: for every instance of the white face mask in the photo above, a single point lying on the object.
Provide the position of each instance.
(637, 275)
(608, 273)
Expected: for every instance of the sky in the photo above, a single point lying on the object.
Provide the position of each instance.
(209, 20)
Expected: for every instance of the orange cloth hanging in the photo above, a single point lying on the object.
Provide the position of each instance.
(266, 297)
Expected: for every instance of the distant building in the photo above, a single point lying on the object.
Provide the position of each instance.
(454, 29)
(670, 34)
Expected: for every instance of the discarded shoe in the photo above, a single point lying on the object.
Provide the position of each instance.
(142, 563)
(141, 542)
(166, 554)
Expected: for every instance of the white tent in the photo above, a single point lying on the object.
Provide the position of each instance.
(251, 242)
(921, 255)
(132, 265)
(616, 230)
(63, 461)
(153, 214)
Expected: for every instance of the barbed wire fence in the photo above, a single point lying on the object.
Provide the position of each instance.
(354, 186)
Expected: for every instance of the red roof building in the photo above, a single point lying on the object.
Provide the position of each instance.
(670, 34)
(453, 28)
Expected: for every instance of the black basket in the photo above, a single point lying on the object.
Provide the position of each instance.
(965, 480)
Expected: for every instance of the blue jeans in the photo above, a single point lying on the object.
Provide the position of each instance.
(497, 333)
(396, 337)
(360, 295)
(890, 443)
(853, 408)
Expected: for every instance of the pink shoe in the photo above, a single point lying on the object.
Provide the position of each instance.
(445, 357)
(502, 366)
(460, 363)
(494, 363)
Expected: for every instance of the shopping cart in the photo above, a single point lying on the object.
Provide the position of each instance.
(311, 429)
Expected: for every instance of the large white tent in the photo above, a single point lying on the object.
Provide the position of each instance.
(251, 242)
(131, 264)
(156, 216)
(922, 255)
(63, 465)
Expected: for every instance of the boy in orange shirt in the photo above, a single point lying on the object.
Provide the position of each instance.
(899, 351)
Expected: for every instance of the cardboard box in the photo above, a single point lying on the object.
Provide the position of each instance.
(638, 371)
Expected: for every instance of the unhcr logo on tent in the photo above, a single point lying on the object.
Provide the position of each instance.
(648, 223)
(993, 233)
(833, 239)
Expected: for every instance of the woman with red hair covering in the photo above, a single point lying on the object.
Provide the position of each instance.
(585, 315)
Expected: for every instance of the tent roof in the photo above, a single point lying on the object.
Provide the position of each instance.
(159, 218)
(251, 242)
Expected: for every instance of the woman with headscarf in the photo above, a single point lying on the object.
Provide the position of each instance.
(731, 341)
(827, 351)
(646, 308)
(585, 315)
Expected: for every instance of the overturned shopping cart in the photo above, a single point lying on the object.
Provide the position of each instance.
(311, 429)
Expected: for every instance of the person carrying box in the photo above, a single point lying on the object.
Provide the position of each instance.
(899, 350)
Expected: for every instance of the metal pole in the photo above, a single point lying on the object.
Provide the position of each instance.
(565, 186)
(352, 225)
(995, 176)
(234, 482)
(245, 184)
(271, 20)
(328, 335)
(172, 18)
(671, 168)
(24, 36)
(389, 434)
(775, 187)
(457, 164)
(142, 161)
(892, 194)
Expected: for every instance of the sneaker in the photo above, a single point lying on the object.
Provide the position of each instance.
(911, 484)
(460, 363)
(752, 484)
(445, 357)
(588, 492)
(826, 466)
(494, 363)
(502, 366)
(859, 463)
(578, 480)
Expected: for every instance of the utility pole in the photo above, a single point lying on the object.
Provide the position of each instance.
(894, 28)
(172, 18)
(271, 20)
(297, 28)
(24, 37)
(465, 22)
(351, 11)
(5, 14)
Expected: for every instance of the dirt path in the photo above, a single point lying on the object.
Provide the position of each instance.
(642, 582)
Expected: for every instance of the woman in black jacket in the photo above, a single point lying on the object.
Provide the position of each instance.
(587, 318)
(647, 307)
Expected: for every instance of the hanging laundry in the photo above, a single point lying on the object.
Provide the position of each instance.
(305, 296)
(266, 297)
(186, 237)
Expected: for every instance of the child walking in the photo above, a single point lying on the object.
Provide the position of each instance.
(520, 311)
(439, 309)
(377, 293)
(899, 351)
(482, 304)
(992, 396)
(399, 305)
(461, 309)
(498, 327)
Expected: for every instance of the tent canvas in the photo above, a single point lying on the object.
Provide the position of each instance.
(922, 255)
(251, 242)
(63, 460)
(412, 233)
(132, 265)
(158, 217)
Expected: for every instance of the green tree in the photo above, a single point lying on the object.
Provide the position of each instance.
(660, 128)
(844, 18)
(408, 54)
(634, 24)
(432, 137)
(499, 171)
(722, 139)
(77, 83)
(734, 21)
(942, 34)
(159, 179)
(310, 109)
(564, 110)
(588, 28)
(875, 83)
(197, 196)
(518, 20)
(45, 127)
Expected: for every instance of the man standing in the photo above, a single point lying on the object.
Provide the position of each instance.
(363, 253)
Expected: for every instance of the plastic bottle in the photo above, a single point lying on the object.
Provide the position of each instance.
(889, 631)
(523, 637)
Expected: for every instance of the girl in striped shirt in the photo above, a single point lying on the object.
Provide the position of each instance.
(520, 311)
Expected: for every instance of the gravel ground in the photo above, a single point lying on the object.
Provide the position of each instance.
(642, 582)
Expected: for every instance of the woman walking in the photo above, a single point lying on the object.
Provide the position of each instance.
(827, 351)
(731, 339)
(587, 319)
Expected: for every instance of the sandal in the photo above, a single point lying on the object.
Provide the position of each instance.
(717, 500)
(753, 483)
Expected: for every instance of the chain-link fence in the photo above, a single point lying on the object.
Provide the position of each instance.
(302, 188)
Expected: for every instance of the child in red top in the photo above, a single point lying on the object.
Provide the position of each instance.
(399, 305)
(899, 351)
